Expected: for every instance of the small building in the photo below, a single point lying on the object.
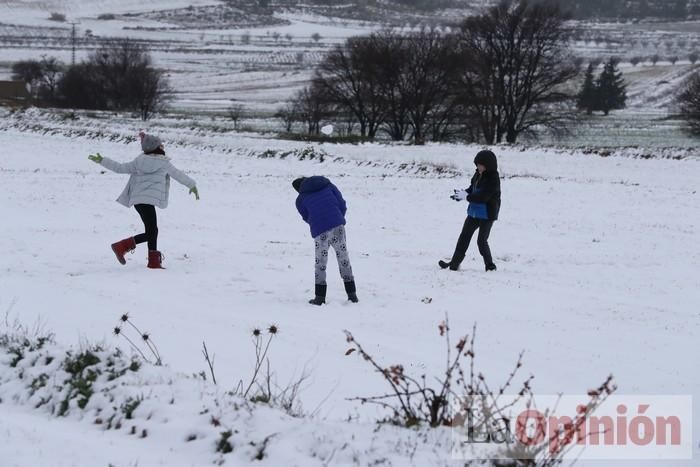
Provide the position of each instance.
(14, 92)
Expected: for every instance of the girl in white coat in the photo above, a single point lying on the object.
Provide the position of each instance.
(148, 188)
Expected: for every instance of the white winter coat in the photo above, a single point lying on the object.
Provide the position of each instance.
(150, 179)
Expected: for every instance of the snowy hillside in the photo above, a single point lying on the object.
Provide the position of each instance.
(25, 11)
(597, 262)
(219, 52)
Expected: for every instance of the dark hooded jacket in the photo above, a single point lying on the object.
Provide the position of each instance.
(320, 204)
(484, 193)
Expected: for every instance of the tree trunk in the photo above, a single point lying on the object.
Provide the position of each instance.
(418, 138)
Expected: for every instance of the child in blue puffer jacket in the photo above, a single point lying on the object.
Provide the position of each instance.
(484, 196)
(322, 206)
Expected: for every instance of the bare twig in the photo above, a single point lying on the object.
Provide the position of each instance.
(144, 336)
(210, 361)
(260, 357)
(412, 401)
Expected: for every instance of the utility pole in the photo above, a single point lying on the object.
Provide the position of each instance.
(73, 40)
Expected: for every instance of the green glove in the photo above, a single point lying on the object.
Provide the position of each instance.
(96, 157)
(196, 193)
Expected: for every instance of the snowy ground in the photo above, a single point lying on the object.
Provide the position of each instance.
(597, 269)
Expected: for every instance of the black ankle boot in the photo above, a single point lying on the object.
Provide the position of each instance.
(490, 267)
(452, 265)
(320, 292)
(351, 291)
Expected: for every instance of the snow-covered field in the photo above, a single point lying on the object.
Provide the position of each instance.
(597, 272)
(597, 257)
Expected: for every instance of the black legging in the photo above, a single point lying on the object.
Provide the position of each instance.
(150, 221)
(471, 224)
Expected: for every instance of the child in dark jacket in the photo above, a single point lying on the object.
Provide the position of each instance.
(484, 197)
(322, 206)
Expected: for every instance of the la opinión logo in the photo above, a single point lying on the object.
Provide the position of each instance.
(623, 427)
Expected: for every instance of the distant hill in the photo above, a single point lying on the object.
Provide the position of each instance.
(581, 9)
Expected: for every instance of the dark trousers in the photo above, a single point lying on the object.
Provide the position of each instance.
(471, 225)
(150, 222)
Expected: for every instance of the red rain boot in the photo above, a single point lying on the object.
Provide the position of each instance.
(155, 258)
(122, 247)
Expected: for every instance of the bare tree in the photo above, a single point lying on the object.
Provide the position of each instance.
(431, 68)
(288, 114)
(235, 112)
(117, 76)
(396, 83)
(349, 77)
(42, 75)
(28, 71)
(151, 93)
(312, 105)
(79, 88)
(517, 63)
(389, 65)
(128, 78)
(51, 69)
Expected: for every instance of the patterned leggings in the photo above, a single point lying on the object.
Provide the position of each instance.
(333, 238)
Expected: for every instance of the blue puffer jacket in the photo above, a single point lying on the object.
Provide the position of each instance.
(477, 210)
(321, 205)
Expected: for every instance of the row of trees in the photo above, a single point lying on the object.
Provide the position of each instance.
(632, 8)
(116, 76)
(654, 59)
(502, 74)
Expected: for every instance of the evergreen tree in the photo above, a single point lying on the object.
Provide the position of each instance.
(589, 92)
(612, 90)
(689, 102)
